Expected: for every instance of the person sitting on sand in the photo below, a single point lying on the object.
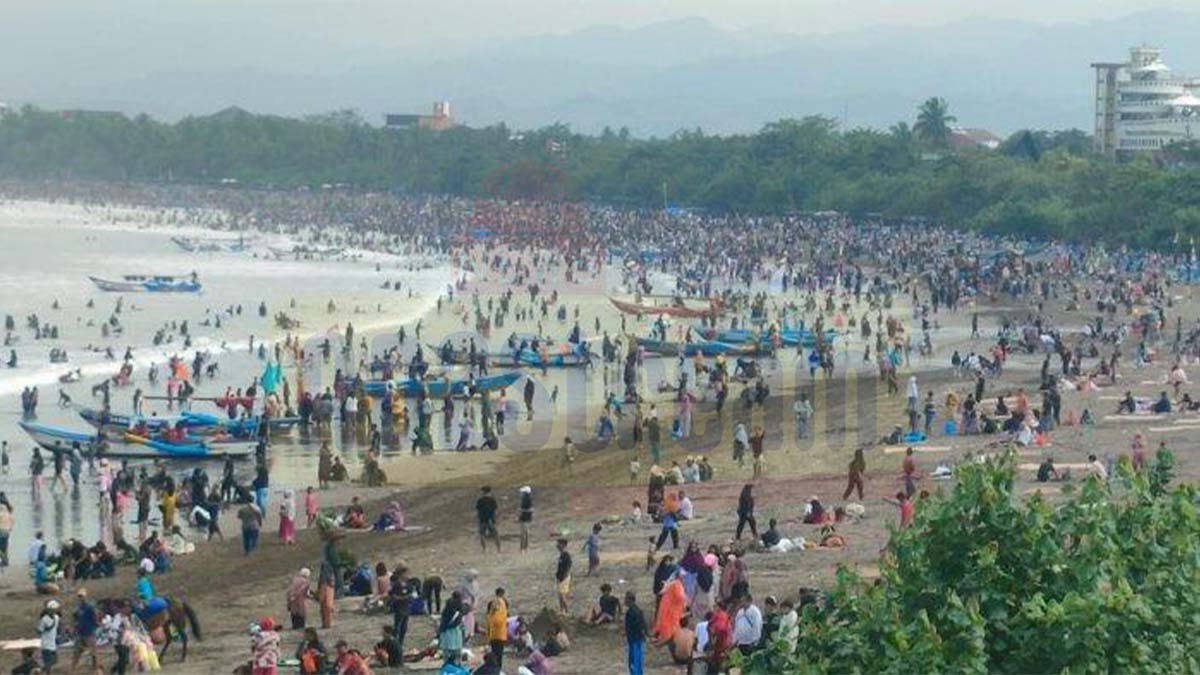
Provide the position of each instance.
(772, 536)
(815, 513)
(356, 517)
(606, 609)
(1162, 406)
(1127, 406)
(391, 519)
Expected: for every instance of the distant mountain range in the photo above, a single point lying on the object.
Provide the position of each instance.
(997, 74)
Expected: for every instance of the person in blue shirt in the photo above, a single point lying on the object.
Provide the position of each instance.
(86, 626)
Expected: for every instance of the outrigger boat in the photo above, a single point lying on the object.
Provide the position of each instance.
(196, 423)
(201, 245)
(137, 283)
(705, 348)
(676, 310)
(788, 337)
(438, 388)
(56, 439)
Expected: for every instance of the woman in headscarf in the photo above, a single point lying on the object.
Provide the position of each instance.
(469, 592)
(391, 519)
(702, 597)
(733, 576)
(287, 517)
(265, 646)
(671, 604)
(450, 629)
(297, 598)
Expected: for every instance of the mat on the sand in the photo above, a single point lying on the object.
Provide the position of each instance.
(894, 449)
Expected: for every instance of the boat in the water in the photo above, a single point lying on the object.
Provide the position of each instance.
(439, 387)
(149, 283)
(57, 439)
(212, 245)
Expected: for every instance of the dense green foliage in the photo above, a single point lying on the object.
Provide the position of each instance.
(1037, 184)
(985, 581)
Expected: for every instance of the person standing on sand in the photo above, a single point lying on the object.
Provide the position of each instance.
(745, 511)
(251, 519)
(803, 411)
(485, 513)
(562, 577)
(529, 391)
(324, 465)
(635, 634)
(497, 626)
(525, 515)
(854, 476)
(310, 507)
(326, 580)
(654, 436)
(568, 455)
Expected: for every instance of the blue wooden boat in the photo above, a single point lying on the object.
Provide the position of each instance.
(138, 283)
(705, 348)
(57, 439)
(438, 388)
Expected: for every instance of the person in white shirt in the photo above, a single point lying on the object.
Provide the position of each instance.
(789, 625)
(1096, 468)
(747, 626)
(686, 510)
(47, 628)
(35, 547)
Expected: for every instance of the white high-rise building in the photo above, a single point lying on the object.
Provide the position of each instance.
(1141, 106)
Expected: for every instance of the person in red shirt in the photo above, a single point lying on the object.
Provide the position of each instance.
(349, 661)
(906, 508)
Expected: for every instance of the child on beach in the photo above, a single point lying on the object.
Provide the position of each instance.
(592, 547)
(635, 467)
(287, 517)
(310, 506)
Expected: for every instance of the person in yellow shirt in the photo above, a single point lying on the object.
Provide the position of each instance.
(497, 625)
(166, 504)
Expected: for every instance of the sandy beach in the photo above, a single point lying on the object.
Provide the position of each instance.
(437, 491)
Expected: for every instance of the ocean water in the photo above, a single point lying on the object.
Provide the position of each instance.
(47, 253)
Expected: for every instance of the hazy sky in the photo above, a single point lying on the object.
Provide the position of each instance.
(406, 22)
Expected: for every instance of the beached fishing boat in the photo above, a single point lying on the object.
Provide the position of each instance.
(706, 348)
(138, 283)
(788, 337)
(196, 423)
(202, 245)
(57, 439)
(437, 388)
(712, 309)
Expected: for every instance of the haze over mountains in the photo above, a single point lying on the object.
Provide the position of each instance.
(998, 74)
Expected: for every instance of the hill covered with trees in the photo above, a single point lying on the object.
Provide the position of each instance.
(1036, 184)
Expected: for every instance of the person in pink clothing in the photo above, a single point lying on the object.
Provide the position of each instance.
(310, 506)
(287, 517)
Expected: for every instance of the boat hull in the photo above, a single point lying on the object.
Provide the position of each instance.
(440, 387)
(55, 439)
(147, 286)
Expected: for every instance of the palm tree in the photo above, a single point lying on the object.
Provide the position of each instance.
(933, 122)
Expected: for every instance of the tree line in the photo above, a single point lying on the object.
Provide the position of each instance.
(1041, 184)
